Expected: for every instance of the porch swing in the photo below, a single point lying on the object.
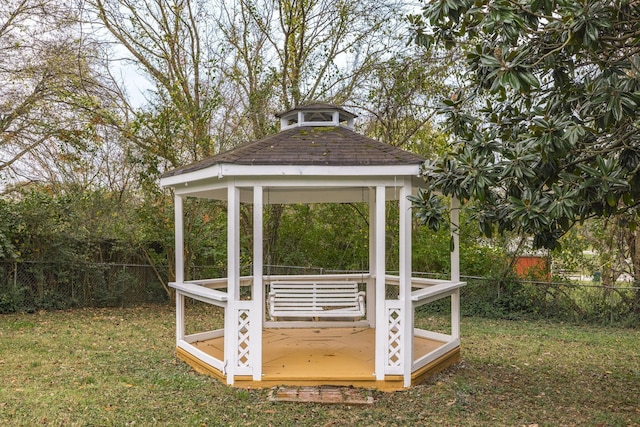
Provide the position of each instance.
(315, 300)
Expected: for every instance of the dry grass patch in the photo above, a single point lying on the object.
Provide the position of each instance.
(116, 367)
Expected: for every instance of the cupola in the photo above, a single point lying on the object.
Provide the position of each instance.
(316, 115)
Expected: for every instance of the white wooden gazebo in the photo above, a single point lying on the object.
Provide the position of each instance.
(315, 158)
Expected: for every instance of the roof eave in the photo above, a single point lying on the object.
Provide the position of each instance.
(222, 170)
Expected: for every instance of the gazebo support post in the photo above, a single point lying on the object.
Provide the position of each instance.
(233, 282)
(406, 341)
(179, 263)
(371, 282)
(382, 320)
(257, 295)
(454, 217)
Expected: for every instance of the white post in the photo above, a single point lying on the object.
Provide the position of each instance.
(233, 282)
(179, 317)
(233, 242)
(371, 284)
(179, 263)
(381, 271)
(404, 209)
(258, 306)
(455, 314)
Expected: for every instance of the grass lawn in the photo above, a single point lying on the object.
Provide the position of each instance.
(116, 367)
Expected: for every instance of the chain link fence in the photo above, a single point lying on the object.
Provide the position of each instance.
(32, 285)
(35, 285)
(573, 301)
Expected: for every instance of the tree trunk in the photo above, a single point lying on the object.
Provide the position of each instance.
(634, 252)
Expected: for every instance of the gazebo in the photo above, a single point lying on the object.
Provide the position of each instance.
(353, 329)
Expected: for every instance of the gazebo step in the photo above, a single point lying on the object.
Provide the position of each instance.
(323, 395)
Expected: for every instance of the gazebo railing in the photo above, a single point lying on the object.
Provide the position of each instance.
(206, 291)
(201, 292)
(425, 291)
(430, 290)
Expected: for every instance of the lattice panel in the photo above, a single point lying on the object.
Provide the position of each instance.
(243, 338)
(394, 344)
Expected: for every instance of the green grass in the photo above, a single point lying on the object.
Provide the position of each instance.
(116, 367)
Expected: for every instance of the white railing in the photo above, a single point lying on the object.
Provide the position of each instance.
(208, 292)
(213, 291)
(349, 277)
(201, 293)
(430, 290)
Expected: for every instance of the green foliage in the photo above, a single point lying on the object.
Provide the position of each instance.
(7, 226)
(12, 300)
(61, 245)
(206, 235)
(69, 225)
(478, 256)
(574, 255)
(432, 212)
(331, 236)
(431, 252)
(555, 139)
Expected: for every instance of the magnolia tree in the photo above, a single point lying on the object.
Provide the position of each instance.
(547, 134)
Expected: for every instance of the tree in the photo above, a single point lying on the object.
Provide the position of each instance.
(399, 100)
(52, 97)
(279, 54)
(556, 139)
(168, 42)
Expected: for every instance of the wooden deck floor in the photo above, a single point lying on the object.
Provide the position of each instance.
(336, 356)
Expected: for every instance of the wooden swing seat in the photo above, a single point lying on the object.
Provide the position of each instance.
(316, 300)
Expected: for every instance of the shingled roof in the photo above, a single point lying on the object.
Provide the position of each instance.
(312, 146)
(308, 142)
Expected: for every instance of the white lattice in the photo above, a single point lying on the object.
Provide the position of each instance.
(394, 345)
(243, 338)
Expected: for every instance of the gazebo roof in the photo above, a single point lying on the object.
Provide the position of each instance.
(320, 145)
(317, 146)
(316, 158)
